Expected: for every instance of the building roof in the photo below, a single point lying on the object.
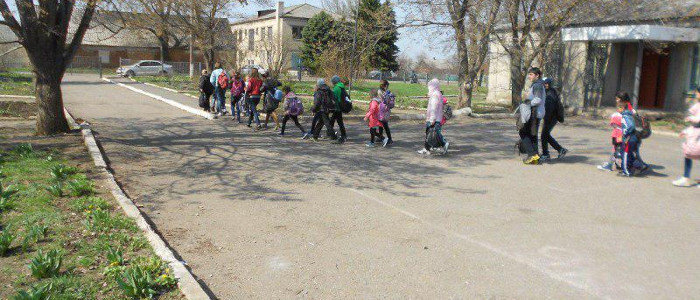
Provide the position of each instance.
(300, 11)
(637, 11)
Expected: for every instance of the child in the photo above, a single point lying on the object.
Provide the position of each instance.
(444, 102)
(691, 147)
(237, 90)
(616, 136)
(205, 90)
(292, 109)
(630, 142)
(376, 128)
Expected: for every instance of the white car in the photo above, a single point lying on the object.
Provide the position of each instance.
(247, 69)
(145, 67)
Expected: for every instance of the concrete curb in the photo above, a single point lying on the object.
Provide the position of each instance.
(186, 108)
(186, 281)
(16, 96)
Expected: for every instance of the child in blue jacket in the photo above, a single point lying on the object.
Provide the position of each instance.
(630, 142)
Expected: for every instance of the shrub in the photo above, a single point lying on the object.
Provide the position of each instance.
(6, 195)
(6, 239)
(37, 232)
(24, 150)
(115, 257)
(80, 187)
(55, 189)
(60, 172)
(45, 265)
(35, 293)
(137, 282)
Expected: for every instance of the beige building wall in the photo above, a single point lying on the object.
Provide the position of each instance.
(499, 74)
(267, 49)
(573, 74)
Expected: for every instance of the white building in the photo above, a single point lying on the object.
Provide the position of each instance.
(273, 37)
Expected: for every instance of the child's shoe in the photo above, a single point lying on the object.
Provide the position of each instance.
(683, 182)
(370, 145)
(532, 160)
(606, 167)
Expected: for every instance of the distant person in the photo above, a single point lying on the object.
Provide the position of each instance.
(237, 91)
(388, 101)
(691, 146)
(376, 128)
(622, 97)
(629, 140)
(293, 108)
(433, 120)
(273, 97)
(253, 93)
(206, 89)
(535, 102)
(324, 102)
(340, 93)
(219, 79)
(616, 139)
(554, 112)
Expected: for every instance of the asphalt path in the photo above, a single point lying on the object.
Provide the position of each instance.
(256, 215)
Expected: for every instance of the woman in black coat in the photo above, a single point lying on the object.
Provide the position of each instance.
(205, 90)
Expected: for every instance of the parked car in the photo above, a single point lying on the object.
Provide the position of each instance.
(247, 69)
(145, 67)
(376, 74)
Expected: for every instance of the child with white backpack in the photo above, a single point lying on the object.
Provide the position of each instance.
(292, 109)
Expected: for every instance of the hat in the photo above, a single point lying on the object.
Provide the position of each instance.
(320, 82)
(335, 79)
(547, 80)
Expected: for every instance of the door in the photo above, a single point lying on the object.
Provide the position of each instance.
(652, 85)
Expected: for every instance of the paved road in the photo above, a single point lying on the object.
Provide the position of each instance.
(259, 216)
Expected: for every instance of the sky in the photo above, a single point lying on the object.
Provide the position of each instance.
(411, 42)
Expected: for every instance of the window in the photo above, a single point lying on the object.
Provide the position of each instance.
(269, 33)
(296, 32)
(251, 40)
(104, 56)
(262, 34)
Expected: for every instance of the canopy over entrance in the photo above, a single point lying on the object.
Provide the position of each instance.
(631, 33)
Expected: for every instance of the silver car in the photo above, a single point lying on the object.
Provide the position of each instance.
(145, 67)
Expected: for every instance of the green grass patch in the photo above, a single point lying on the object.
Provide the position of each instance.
(78, 246)
(16, 84)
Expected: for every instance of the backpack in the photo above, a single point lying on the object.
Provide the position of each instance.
(295, 106)
(345, 103)
(389, 99)
(327, 99)
(642, 127)
(447, 111)
(383, 111)
(432, 139)
(271, 103)
(222, 80)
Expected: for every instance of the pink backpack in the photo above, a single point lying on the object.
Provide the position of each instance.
(383, 111)
(295, 106)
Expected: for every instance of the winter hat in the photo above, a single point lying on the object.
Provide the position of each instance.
(547, 80)
(320, 82)
(335, 79)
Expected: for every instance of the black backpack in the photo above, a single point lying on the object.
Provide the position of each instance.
(432, 138)
(327, 99)
(642, 127)
(447, 111)
(271, 103)
(345, 102)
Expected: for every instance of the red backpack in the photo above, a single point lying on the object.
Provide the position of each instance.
(222, 80)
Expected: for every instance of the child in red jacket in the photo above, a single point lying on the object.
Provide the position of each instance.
(376, 129)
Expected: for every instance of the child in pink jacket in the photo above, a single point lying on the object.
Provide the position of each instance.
(691, 147)
(616, 138)
(376, 129)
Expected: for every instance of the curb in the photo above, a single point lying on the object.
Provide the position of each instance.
(16, 96)
(181, 106)
(187, 284)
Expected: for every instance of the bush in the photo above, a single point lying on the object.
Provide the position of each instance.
(24, 150)
(60, 172)
(137, 282)
(80, 187)
(45, 265)
(55, 189)
(6, 239)
(35, 293)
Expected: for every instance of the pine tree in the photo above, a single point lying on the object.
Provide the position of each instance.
(316, 39)
(377, 36)
(387, 51)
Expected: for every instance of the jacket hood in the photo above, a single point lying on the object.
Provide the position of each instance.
(433, 86)
(324, 87)
(340, 84)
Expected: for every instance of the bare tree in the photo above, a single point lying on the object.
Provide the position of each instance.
(531, 27)
(470, 21)
(43, 31)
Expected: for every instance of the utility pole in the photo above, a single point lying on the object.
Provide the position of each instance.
(192, 42)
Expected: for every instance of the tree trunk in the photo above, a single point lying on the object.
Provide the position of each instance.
(50, 116)
(463, 55)
(517, 79)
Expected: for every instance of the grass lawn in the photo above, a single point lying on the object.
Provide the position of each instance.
(16, 84)
(405, 92)
(63, 238)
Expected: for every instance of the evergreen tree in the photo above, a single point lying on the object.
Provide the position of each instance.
(377, 36)
(387, 51)
(316, 38)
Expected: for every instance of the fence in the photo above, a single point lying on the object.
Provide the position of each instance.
(178, 67)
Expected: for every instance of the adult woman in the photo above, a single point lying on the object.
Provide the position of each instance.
(205, 90)
(433, 116)
(691, 147)
(253, 93)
